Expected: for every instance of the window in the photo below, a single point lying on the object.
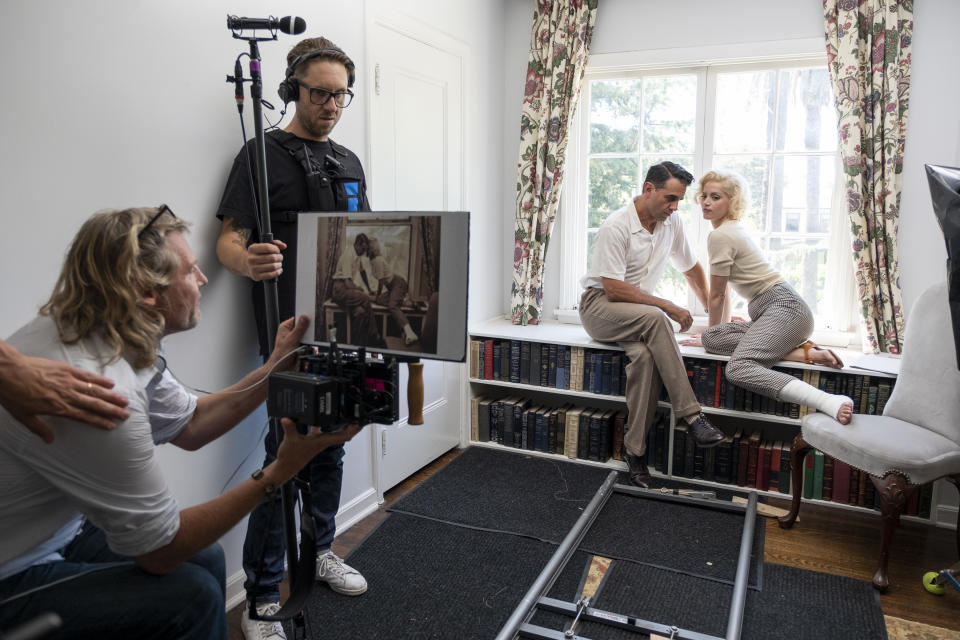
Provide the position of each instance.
(774, 123)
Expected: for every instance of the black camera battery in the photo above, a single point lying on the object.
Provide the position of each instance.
(307, 399)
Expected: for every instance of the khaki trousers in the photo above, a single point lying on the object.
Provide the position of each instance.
(646, 335)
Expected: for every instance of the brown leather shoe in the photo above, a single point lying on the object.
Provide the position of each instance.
(639, 473)
(704, 434)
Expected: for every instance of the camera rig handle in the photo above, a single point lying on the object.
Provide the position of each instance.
(415, 391)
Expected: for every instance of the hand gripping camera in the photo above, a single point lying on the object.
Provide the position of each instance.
(336, 388)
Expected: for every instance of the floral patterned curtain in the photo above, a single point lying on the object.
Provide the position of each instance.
(559, 43)
(868, 54)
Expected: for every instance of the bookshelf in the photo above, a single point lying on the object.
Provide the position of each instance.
(543, 412)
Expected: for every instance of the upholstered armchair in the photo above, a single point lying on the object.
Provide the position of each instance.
(915, 441)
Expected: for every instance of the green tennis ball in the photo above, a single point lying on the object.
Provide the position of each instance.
(930, 583)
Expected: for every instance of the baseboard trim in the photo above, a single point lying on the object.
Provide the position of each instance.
(349, 515)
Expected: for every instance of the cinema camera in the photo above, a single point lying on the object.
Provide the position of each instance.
(334, 388)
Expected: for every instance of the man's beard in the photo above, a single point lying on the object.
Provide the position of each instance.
(316, 130)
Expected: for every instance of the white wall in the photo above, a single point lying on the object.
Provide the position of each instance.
(115, 104)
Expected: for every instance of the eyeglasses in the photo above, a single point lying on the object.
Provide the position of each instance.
(320, 96)
(163, 209)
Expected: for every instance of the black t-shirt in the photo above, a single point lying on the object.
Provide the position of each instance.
(287, 188)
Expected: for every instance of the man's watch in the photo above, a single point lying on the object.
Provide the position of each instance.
(270, 489)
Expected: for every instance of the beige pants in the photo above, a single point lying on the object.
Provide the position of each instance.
(646, 335)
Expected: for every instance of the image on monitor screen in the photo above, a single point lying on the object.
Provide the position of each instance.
(389, 281)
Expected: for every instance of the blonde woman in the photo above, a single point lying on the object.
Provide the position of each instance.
(391, 290)
(780, 320)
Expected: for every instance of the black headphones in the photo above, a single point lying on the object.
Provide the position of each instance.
(289, 89)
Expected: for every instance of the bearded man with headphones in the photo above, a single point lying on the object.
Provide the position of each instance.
(306, 171)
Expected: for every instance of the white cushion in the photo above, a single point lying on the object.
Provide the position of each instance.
(880, 444)
(927, 391)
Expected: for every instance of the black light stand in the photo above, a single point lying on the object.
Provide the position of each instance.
(303, 570)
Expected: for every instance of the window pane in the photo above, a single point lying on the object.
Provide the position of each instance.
(591, 241)
(613, 182)
(744, 112)
(755, 170)
(807, 119)
(615, 115)
(802, 263)
(802, 194)
(669, 114)
(673, 287)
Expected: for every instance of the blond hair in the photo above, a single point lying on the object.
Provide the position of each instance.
(731, 184)
(109, 268)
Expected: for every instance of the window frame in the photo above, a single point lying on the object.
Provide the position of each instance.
(706, 63)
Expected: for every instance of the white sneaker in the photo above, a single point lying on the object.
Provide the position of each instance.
(262, 629)
(340, 576)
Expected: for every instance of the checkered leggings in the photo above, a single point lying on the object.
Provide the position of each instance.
(780, 321)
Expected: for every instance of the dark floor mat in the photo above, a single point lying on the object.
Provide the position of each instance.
(696, 540)
(793, 603)
(429, 580)
(507, 491)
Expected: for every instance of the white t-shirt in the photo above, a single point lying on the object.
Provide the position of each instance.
(112, 477)
(625, 251)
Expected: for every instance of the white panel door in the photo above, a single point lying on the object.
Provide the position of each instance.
(416, 165)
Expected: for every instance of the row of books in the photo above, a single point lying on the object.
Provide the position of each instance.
(544, 364)
(602, 371)
(755, 462)
(576, 432)
(869, 393)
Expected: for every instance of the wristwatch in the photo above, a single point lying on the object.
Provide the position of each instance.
(270, 489)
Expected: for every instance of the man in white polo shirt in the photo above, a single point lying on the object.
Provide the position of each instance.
(617, 305)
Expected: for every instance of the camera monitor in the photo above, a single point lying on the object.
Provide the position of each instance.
(393, 282)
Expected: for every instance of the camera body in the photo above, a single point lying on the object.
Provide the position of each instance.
(336, 388)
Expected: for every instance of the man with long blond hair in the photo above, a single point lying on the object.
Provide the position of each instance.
(89, 528)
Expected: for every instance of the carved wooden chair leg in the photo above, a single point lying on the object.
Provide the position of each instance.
(798, 452)
(893, 491)
(955, 479)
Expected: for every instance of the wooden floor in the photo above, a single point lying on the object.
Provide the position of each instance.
(829, 540)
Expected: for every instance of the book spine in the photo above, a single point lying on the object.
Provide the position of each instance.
(505, 346)
(679, 450)
(535, 363)
(488, 359)
(583, 436)
(524, 362)
(475, 359)
(786, 474)
(545, 364)
(483, 420)
(618, 424)
(817, 475)
(827, 493)
(552, 366)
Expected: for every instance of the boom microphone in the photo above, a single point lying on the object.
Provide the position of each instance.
(286, 24)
